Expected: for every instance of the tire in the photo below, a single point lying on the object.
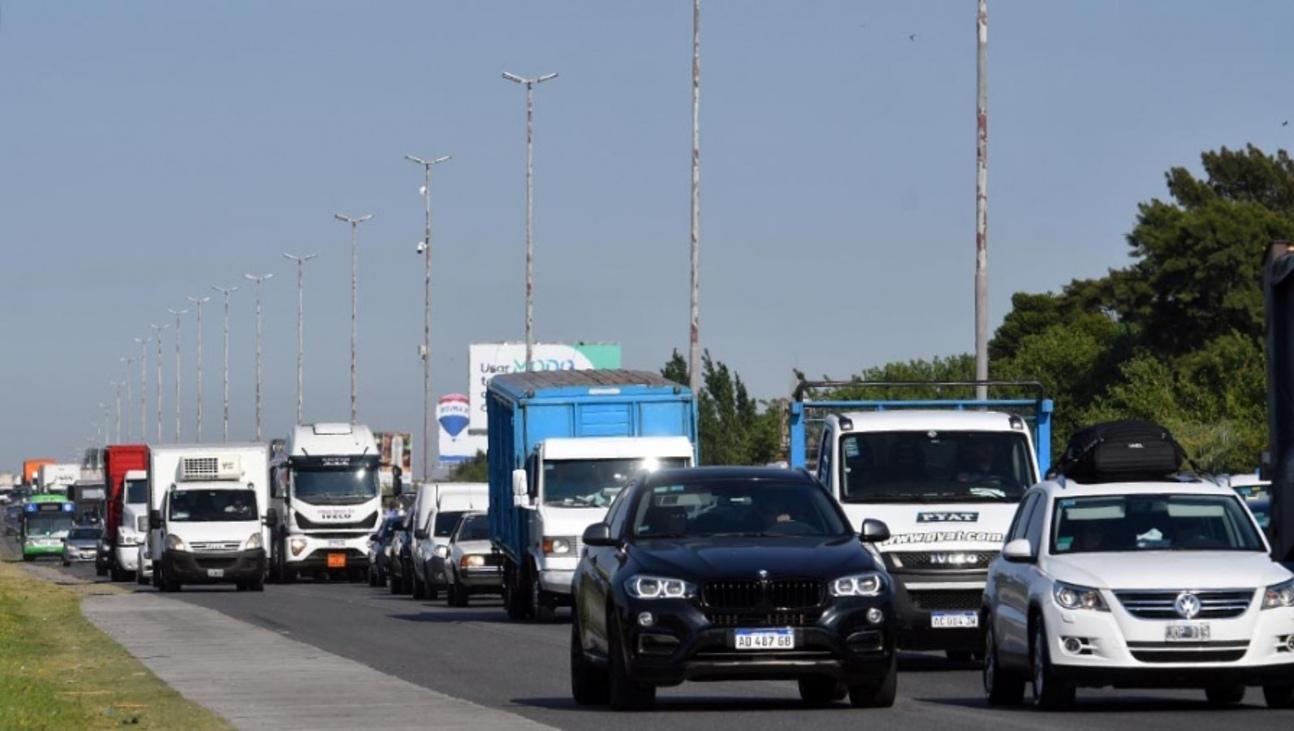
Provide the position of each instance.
(456, 595)
(140, 578)
(240, 586)
(541, 609)
(1225, 695)
(1049, 692)
(25, 557)
(257, 584)
(419, 588)
(877, 694)
(406, 581)
(100, 570)
(819, 691)
(588, 684)
(624, 694)
(116, 574)
(66, 562)
(372, 577)
(514, 592)
(395, 584)
(1279, 696)
(1003, 687)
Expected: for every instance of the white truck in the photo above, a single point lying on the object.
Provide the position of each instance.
(209, 515)
(327, 501)
(58, 476)
(448, 502)
(133, 530)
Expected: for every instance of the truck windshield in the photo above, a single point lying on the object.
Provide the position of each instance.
(1152, 523)
(48, 523)
(136, 492)
(934, 466)
(207, 506)
(344, 486)
(593, 483)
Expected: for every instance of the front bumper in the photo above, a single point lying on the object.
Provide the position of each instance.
(87, 554)
(315, 555)
(481, 578)
(921, 595)
(190, 567)
(127, 557)
(55, 549)
(685, 643)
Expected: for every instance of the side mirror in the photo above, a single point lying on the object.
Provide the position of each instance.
(1019, 550)
(420, 534)
(519, 485)
(874, 531)
(397, 484)
(598, 534)
(155, 518)
(442, 551)
(271, 517)
(374, 537)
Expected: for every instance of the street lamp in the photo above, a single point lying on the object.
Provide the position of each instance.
(530, 204)
(198, 302)
(424, 248)
(128, 361)
(257, 279)
(694, 330)
(226, 291)
(157, 337)
(143, 388)
(177, 314)
(116, 387)
(301, 260)
(354, 301)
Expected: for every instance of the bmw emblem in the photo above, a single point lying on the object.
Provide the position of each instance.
(1187, 605)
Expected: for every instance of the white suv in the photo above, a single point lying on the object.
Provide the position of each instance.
(1142, 584)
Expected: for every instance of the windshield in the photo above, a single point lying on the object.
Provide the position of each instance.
(205, 506)
(474, 528)
(735, 507)
(445, 522)
(136, 492)
(594, 483)
(85, 534)
(48, 523)
(1152, 523)
(345, 486)
(934, 466)
(1262, 512)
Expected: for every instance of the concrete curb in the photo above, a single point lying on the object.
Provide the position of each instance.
(257, 679)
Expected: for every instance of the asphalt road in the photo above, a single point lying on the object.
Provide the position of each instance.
(476, 654)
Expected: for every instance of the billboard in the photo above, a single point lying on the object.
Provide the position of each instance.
(452, 416)
(393, 448)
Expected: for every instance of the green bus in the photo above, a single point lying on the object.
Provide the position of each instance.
(46, 519)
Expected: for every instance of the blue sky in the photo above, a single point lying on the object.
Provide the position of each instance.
(153, 149)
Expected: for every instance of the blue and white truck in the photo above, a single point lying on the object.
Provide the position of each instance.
(946, 476)
(562, 444)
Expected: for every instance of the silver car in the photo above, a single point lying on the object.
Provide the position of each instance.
(81, 544)
(472, 565)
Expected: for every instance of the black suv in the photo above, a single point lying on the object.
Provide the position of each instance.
(723, 573)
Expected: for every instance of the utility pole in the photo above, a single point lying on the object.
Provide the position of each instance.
(143, 388)
(157, 336)
(530, 83)
(126, 382)
(301, 305)
(354, 304)
(226, 291)
(198, 302)
(424, 248)
(177, 314)
(257, 279)
(981, 200)
(103, 409)
(116, 387)
(694, 333)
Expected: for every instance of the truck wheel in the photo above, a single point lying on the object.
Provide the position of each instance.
(515, 593)
(541, 604)
(117, 574)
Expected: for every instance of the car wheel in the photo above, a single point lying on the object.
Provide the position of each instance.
(66, 562)
(419, 589)
(406, 579)
(819, 690)
(541, 608)
(257, 584)
(588, 685)
(1003, 687)
(372, 577)
(877, 694)
(623, 692)
(1279, 696)
(140, 578)
(394, 584)
(116, 574)
(100, 570)
(457, 594)
(1225, 695)
(1049, 691)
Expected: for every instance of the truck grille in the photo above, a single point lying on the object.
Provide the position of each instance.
(367, 522)
(767, 594)
(940, 560)
(215, 547)
(1219, 604)
(947, 600)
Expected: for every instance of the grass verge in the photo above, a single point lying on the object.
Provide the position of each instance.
(58, 671)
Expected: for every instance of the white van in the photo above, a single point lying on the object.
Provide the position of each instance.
(452, 500)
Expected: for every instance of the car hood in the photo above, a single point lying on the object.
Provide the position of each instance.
(466, 547)
(1169, 570)
(83, 542)
(699, 559)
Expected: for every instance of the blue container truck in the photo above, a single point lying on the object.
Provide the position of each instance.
(562, 444)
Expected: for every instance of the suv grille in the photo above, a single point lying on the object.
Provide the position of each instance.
(1221, 604)
(940, 560)
(946, 600)
(743, 594)
(770, 619)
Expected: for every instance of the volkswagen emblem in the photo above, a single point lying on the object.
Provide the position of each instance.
(1187, 605)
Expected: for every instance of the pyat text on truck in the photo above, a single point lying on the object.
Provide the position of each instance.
(944, 474)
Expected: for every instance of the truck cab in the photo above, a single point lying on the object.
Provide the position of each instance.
(132, 528)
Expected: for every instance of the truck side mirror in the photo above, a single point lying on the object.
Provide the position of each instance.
(397, 484)
(155, 518)
(271, 517)
(520, 489)
(874, 531)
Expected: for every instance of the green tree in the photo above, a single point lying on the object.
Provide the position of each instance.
(733, 427)
(476, 469)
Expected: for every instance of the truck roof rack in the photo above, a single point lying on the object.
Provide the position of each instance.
(803, 385)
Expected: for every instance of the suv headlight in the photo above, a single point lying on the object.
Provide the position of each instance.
(175, 543)
(254, 541)
(1071, 596)
(657, 587)
(1279, 595)
(559, 545)
(871, 583)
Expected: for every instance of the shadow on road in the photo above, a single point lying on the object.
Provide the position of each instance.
(1122, 705)
(700, 704)
(924, 662)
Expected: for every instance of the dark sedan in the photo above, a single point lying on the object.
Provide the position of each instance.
(725, 573)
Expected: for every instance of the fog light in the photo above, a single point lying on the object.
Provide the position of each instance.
(1289, 642)
(875, 616)
(1073, 646)
(297, 545)
(645, 619)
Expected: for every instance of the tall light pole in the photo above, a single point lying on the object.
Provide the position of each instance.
(198, 302)
(301, 260)
(226, 291)
(103, 409)
(128, 362)
(178, 314)
(157, 337)
(530, 83)
(116, 387)
(257, 279)
(981, 200)
(143, 388)
(694, 333)
(424, 248)
(354, 302)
